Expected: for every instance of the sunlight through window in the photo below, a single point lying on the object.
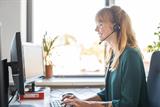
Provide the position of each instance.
(77, 51)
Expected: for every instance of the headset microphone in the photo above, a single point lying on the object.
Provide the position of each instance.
(106, 37)
(116, 28)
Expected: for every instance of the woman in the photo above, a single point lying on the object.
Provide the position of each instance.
(125, 80)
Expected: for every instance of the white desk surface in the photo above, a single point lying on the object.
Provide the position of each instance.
(52, 94)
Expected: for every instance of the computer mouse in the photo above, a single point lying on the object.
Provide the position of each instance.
(67, 94)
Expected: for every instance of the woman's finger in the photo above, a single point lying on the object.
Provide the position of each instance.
(68, 101)
(68, 96)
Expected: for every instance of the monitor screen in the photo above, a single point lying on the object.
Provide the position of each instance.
(33, 61)
(17, 63)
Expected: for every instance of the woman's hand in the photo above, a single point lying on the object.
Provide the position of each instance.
(75, 102)
(68, 95)
(70, 99)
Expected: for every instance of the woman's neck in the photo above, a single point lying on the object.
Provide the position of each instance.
(113, 43)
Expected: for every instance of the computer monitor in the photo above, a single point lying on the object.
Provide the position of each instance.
(17, 63)
(18, 67)
(18, 73)
(33, 61)
(4, 83)
(26, 62)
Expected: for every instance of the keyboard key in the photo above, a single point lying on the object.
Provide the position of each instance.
(56, 103)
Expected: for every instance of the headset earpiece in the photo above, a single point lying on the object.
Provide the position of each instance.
(116, 28)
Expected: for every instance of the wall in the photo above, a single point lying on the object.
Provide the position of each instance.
(13, 19)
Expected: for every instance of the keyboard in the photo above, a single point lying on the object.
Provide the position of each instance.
(56, 103)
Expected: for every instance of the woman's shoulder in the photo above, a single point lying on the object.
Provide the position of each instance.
(131, 52)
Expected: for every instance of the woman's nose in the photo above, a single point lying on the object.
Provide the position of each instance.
(96, 29)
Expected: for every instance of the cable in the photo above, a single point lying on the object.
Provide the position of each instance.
(13, 95)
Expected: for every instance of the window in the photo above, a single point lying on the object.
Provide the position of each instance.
(77, 51)
(145, 19)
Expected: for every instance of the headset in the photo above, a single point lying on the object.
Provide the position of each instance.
(116, 28)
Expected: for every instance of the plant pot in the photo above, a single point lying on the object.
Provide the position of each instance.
(48, 71)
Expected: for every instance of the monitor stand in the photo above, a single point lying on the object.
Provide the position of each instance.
(21, 105)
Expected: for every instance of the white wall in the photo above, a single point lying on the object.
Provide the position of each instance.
(13, 19)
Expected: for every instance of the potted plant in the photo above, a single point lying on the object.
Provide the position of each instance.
(155, 46)
(48, 45)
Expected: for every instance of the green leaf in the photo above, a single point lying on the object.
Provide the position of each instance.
(48, 45)
(156, 44)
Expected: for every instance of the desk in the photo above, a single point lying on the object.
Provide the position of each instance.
(36, 103)
(52, 94)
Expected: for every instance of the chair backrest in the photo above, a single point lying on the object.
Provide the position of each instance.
(153, 80)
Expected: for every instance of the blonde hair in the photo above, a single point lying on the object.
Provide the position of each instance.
(125, 37)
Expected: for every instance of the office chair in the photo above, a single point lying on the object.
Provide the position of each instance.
(153, 80)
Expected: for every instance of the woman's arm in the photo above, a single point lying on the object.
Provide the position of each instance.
(94, 98)
(94, 101)
(81, 103)
(100, 103)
